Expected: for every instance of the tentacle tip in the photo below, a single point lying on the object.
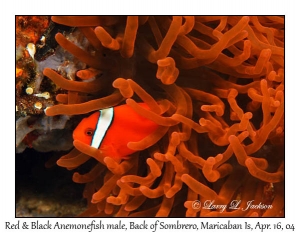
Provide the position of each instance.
(46, 111)
(249, 162)
(246, 18)
(143, 188)
(46, 70)
(211, 160)
(107, 159)
(58, 163)
(184, 177)
(76, 142)
(231, 138)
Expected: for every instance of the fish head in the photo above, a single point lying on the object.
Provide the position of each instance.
(85, 130)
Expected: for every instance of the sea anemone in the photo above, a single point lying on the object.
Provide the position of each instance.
(215, 87)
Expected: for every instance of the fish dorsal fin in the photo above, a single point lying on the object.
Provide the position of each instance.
(103, 124)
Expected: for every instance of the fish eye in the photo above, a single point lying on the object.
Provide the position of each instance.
(89, 132)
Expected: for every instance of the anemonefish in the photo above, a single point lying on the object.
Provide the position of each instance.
(110, 130)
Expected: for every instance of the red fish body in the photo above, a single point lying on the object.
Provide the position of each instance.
(110, 130)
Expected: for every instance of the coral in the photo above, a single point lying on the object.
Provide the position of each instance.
(44, 133)
(215, 87)
(34, 93)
